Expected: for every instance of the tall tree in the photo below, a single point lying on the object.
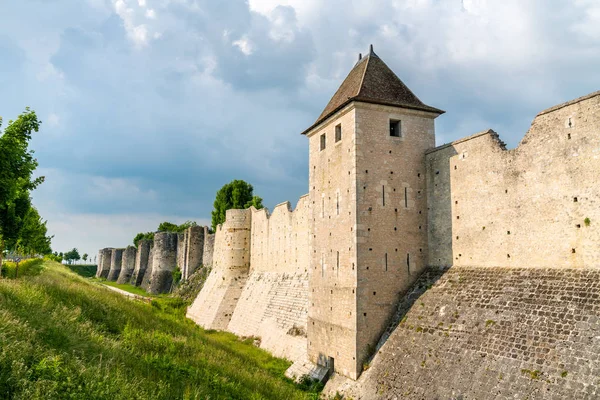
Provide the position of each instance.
(236, 194)
(33, 239)
(16, 176)
(85, 257)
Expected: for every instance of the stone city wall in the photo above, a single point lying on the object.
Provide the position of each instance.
(209, 246)
(492, 332)
(274, 302)
(163, 263)
(104, 263)
(115, 264)
(127, 265)
(141, 262)
(535, 206)
(217, 300)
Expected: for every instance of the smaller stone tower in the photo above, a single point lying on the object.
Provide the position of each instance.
(231, 265)
(164, 262)
(127, 265)
(116, 259)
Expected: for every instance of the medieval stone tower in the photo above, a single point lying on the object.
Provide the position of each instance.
(369, 211)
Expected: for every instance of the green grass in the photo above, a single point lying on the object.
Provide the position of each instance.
(62, 336)
(125, 286)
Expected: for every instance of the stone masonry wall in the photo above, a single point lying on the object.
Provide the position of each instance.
(492, 332)
(163, 263)
(104, 263)
(274, 302)
(194, 246)
(218, 299)
(209, 246)
(141, 262)
(536, 206)
(115, 264)
(127, 264)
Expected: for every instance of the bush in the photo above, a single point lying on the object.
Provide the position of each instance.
(30, 267)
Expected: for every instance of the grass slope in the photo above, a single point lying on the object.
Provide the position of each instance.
(62, 337)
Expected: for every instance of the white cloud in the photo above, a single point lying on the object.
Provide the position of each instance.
(53, 120)
(245, 45)
(137, 32)
(150, 13)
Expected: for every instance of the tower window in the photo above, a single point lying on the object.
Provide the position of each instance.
(395, 128)
(323, 142)
(338, 132)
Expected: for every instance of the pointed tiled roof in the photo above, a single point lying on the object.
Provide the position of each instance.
(372, 81)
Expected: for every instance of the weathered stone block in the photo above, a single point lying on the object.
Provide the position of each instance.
(127, 265)
(116, 260)
(163, 263)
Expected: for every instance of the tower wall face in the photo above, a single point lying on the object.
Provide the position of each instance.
(127, 265)
(164, 262)
(332, 282)
(391, 214)
(141, 262)
(194, 250)
(104, 257)
(116, 259)
(214, 306)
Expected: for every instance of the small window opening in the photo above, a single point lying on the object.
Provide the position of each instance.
(365, 314)
(395, 128)
(383, 193)
(572, 250)
(323, 141)
(575, 199)
(405, 197)
(374, 293)
(338, 132)
(408, 262)
(569, 136)
(455, 167)
(578, 225)
(338, 262)
(570, 126)
(337, 203)
(386, 264)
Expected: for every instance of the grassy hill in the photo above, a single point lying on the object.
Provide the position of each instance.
(64, 337)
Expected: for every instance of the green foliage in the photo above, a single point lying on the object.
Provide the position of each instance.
(84, 257)
(564, 374)
(170, 227)
(163, 227)
(71, 256)
(176, 274)
(87, 271)
(63, 337)
(17, 165)
(531, 374)
(142, 236)
(33, 239)
(54, 257)
(30, 267)
(236, 194)
(310, 385)
(587, 221)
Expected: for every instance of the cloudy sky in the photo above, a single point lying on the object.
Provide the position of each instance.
(149, 106)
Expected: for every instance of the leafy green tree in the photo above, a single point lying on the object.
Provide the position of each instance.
(71, 256)
(236, 194)
(17, 165)
(85, 257)
(33, 235)
(142, 236)
(171, 227)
